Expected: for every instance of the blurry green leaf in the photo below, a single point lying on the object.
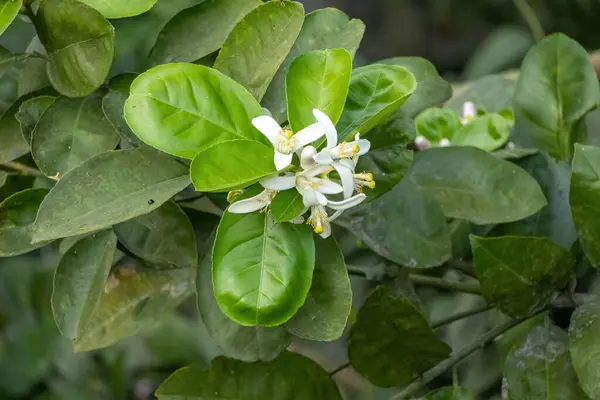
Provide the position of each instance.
(376, 91)
(318, 79)
(30, 112)
(79, 61)
(182, 109)
(487, 132)
(557, 87)
(520, 274)
(141, 181)
(470, 184)
(287, 205)
(514, 153)
(324, 314)
(79, 281)
(391, 343)
(120, 8)
(539, 368)
(199, 30)
(3, 177)
(436, 124)
(9, 9)
(584, 334)
(259, 43)
(13, 144)
(17, 214)
(450, 393)
(323, 29)
(289, 376)
(70, 132)
(162, 237)
(491, 93)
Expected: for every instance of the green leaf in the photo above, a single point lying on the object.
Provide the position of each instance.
(120, 8)
(514, 153)
(259, 43)
(450, 393)
(520, 274)
(436, 124)
(79, 281)
(391, 343)
(324, 314)
(470, 184)
(246, 343)
(9, 9)
(289, 376)
(557, 87)
(403, 226)
(323, 29)
(17, 214)
(199, 31)
(538, 367)
(584, 333)
(30, 112)
(182, 109)
(3, 177)
(376, 91)
(492, 93)
(141, 181)
(70, 132)
(79, 61)
(13, 143)
(585, 191)
(287, 205)
(262, 271)
(132, 301)
(231, 165)
(487, 132)
(163, 237)
(318, 79)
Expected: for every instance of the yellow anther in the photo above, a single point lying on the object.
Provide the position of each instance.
(318, 229)
(371, 185)
(369, 177)
(287, 133)
(355, 148)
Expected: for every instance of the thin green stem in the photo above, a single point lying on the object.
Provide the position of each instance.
(463, 266)
(462, 315)
(339, 369)
(24, 169)
(530, 16)
(440, 283)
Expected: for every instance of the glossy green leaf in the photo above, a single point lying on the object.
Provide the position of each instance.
(199, 30)
(487, 132)
(289, 376)
(375, 92)
(492, 93)
(79, 281)
(557, 87)
(79, 61)
(30, 112)
(520, 274)
(324, 314)
(120, 8)
(450, 393)
(70, 132)
(259, 43)
(404, 226)
(391, 342)
(318, 79)
(287, 205)
(470, 184)
(323, 29)
(9, 9)
(436, 124)
(584, 333)
(163, 237)
(262, 271)
(182, 109)
(132, 301)
(141, 181)
(17, 214)
(539, 368)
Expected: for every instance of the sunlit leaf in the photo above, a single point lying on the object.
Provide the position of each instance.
(9, 9)
(120, 8)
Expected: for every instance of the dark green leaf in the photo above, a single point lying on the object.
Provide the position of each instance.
(287, 205)
(120, 8)
(259, 43)
(492, 93)
(450, 393)
(13, 143)
(140, 181)
(30, 113)
(520, 274)
(584, 334)
(19, 75)
(9, 9)
(514, 153)
(391, 343)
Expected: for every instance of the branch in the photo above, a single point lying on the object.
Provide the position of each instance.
(529, 15)
(24, 169)
(462, 315)
(440, 283)
(339, 369)
(463, 266)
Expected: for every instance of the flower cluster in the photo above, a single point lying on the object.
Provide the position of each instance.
(313, 178)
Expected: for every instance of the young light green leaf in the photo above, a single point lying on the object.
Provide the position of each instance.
(520, 274)
(289, 376)
(120, 8)
(79, 61)
(391, 342)
(30, 112)
(375, 92)
(163, 237)
(199, 31)
(9, 9)
(262, 271)
(539, 368)
(436, 124)
(450, 393)
(70, 132)
(79, 281)
(487, 132)
(324, 314)
(287, 205)
(318, 79)
(82, 201)
(259, 43)
(17, 214)
(584, 335)
(470, 184)
(323, 29)
(492, 93)
(557, 87)
(182, 109)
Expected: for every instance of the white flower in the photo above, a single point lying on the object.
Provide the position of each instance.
(259, 202)
(444, 143)
(320, 220)
(285, 141)
(422, 143)
(469, 113)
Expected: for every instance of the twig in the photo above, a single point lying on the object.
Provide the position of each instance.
(24, 169)
(462, 315)
(529, 15)
(466, 287)
(339, 369)
(463, 266)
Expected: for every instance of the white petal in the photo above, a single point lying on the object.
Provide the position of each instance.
(309, 197)
(346, 177)
(267, 126)
(306, 158)
(323, 158)
(422, 143)
(469, 110)
(279, 182)
(444, 143)
(282, 160)
(364, 146)
(336, 215)
(348, 203)
(329, 127)
(249, 205)
(321, 199)
(326, 231)
(347, 163)
(298, 220)
(328, 187)
(308, 135)
(316, 170)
